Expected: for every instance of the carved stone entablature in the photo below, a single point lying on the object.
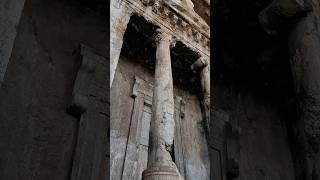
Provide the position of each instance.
(186, 25)
(179, 19)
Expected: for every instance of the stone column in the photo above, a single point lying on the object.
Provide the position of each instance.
(10, 12)
(160, 164)
(119, 17)
(203, 66)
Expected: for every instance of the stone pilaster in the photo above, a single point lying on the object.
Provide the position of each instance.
(120, 16)
(160, 164)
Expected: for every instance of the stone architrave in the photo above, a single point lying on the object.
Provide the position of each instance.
(160, 163)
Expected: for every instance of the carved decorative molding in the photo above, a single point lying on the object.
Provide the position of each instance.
(182, 18)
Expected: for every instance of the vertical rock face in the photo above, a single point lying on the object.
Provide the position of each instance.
(304, 44)
(253, 87)
(10, 12)
(38, 136)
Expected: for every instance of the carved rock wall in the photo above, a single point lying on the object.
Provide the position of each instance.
(264, 146)
(10, 12)
(253, 86)
(263, 151)
(302, 17)
(304, 44)
(38, 137)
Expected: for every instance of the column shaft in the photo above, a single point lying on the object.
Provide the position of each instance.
(163, 103)
(160, 164)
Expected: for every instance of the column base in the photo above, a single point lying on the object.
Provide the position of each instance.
(161, 173)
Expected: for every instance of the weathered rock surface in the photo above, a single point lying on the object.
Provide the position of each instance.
(38, 136)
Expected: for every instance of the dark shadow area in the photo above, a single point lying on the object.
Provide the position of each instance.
(252, 84)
